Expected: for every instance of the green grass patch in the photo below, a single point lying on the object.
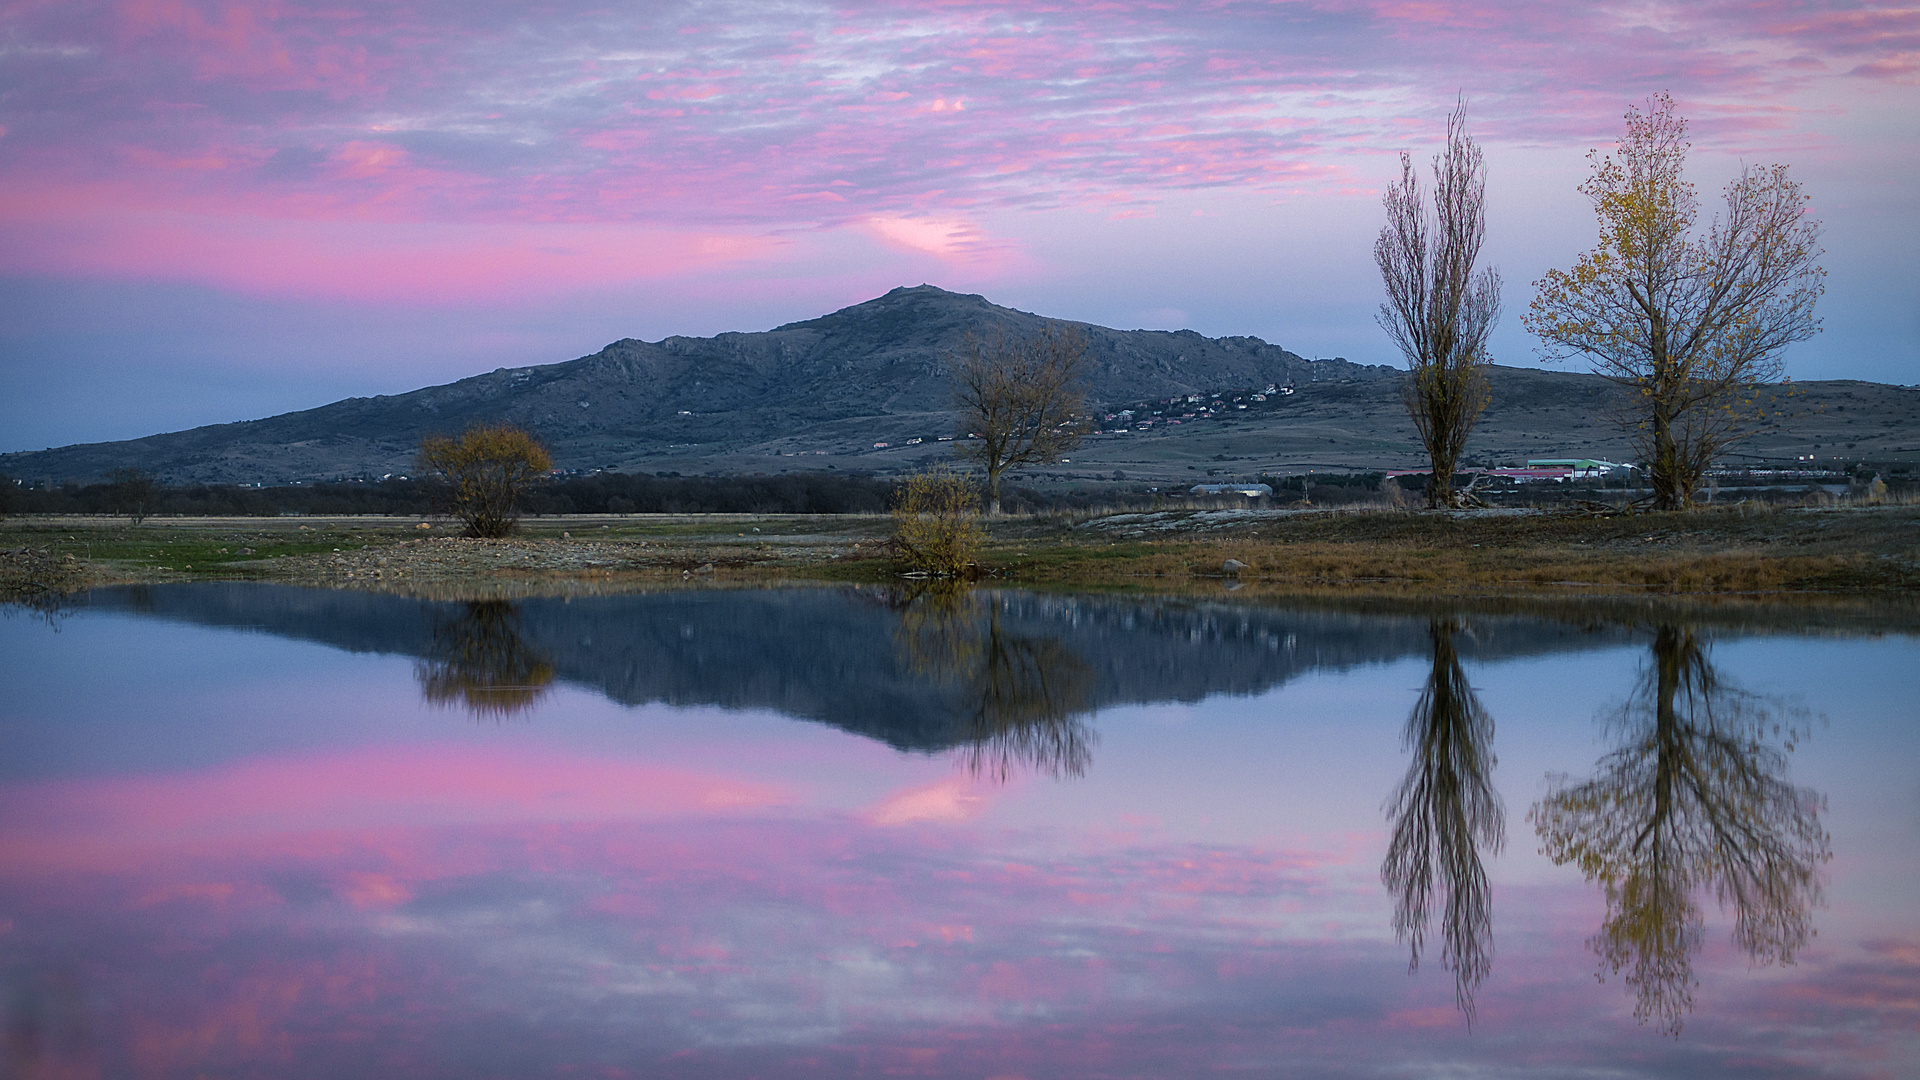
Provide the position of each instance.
(189, 551)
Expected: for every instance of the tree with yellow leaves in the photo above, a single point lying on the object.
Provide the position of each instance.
(1693, 324)
(936, 522)
(487, 468)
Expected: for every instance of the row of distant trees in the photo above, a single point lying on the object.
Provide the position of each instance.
(1692, 321)
(139, 495)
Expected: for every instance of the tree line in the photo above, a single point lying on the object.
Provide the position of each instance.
(599, 493)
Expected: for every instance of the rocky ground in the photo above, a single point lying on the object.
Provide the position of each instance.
(456, 558)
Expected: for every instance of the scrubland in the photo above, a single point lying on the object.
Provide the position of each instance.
(1751, 551)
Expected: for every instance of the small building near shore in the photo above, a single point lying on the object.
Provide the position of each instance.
(1251, 491)
(1577, 468)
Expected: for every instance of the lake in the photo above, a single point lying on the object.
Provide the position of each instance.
(253, 830)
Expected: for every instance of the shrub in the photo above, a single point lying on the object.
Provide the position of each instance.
(936, 522)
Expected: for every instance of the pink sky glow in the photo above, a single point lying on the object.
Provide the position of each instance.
(560, 177)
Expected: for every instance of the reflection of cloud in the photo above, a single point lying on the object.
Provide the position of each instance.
(54, 824)
(1881, 981)
(786, 943)
(952, 799)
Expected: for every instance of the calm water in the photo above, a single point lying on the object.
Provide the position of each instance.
(260, 831)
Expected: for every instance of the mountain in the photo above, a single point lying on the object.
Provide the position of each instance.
(837, 383)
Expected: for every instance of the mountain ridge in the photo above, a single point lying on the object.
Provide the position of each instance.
(883, 358)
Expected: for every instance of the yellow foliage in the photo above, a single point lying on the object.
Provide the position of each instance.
(1693, 321)
(487, 468)
(936, 524)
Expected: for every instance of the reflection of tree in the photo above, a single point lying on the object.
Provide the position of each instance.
(940, 627)
(1444, 812)
(1031, 696)
(479, 660)
(1696, 795)
(44, 1027)
(1028, 695)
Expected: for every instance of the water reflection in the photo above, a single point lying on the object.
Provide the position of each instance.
(47, 1033)
(1027, 696)
(1444, 814)
(1696, 796)
(240, 849)
(842, 656)
(479, 659)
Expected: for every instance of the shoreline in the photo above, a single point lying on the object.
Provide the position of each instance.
(1861, 554)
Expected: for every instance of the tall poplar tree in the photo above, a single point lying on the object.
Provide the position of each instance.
(1439, 309)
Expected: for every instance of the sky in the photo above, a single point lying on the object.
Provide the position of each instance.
(214, 210)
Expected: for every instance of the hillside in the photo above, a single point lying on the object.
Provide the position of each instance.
(876, 366)
(823, 393)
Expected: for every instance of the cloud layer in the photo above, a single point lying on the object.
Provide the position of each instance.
(435, 153)
(138, 132)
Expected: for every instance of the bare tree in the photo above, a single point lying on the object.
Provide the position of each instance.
(1021, 400)
(1444, 813)
(133, 491)
(1694, 325)
(1439, 311)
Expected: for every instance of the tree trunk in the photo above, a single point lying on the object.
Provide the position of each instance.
(1669, 488)
(993, 492)
(1666, 464)
(1440, 488)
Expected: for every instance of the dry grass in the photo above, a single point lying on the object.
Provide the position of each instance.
(1730, 551)
(1736, 550)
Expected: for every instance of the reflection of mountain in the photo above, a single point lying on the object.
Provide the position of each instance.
(830, 654)
(1696, 797)
(1443, 814)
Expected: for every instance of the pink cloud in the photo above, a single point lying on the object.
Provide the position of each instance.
(427, 152)
(70, 233)
(65, 824)
(954, 799)
(725, 120)
(944, 239)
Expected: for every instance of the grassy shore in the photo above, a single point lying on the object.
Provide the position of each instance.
(1854, 551)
